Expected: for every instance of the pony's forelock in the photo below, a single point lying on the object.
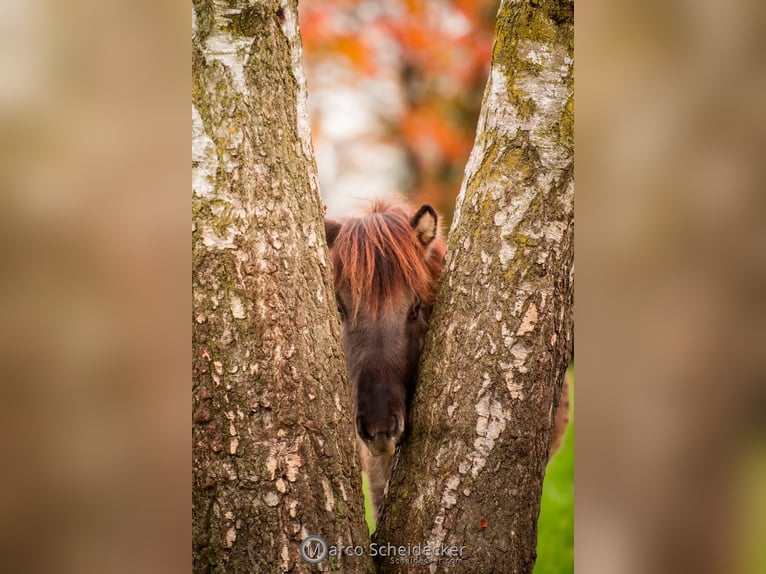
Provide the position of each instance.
(377, 256)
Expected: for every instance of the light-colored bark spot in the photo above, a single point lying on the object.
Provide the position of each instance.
(231, 537)
(229, 515)
(290, 28)
(212, 239)
(232, 430)
(490, 423)
(281, 485)
(506, 253)
(229, 472)
(329, 502)
(222, 46)
(271, 498)
(448, 500)
(507, 219)
(449, 497)
(237, 308)
(550, 92)
(443, 450)
(337, 402)
(554, 231)
(204, 158)
(514, 388)
(497, 114)
(271, 466)
(218, 366)
(294, 463)
(529, 320)
(233, 445)
(285, 556)
(520, 354)
(292, 508)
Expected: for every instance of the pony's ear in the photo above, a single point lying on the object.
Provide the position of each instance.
(424, 223)
(331, 229)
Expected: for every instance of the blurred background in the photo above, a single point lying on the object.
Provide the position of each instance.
(395, 89)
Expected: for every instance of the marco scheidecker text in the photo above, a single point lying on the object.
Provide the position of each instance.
(314, 549)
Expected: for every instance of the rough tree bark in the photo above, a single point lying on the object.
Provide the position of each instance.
(471, 472)
(273, 452)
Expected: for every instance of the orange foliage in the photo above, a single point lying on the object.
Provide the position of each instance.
(442, 50)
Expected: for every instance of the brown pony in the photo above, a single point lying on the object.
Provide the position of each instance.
(385, 267)
(386, 264)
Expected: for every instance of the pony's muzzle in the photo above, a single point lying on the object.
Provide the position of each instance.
(382, 444)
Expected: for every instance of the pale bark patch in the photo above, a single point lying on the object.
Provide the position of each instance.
(231, 537)
(271, 498)
(290, 28)
(529, 321)
(329, 496)
(233, 52)
(204, 158)
(237, 308)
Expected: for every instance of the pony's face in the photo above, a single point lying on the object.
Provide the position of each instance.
(382, 354)
(384, 322)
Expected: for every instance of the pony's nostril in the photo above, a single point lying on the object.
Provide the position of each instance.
(361, 430)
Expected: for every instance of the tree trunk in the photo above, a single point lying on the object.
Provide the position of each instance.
(273, 450)
(471, 472)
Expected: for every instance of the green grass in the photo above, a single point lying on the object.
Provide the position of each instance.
(367, 505)
(555, 528)
(750, 503)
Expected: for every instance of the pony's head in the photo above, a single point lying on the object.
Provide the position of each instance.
(385, 267)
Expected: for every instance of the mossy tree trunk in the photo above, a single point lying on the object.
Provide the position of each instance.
(273, 451)
(471, 472)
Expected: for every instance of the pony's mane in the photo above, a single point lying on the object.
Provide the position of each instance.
(377, 255)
